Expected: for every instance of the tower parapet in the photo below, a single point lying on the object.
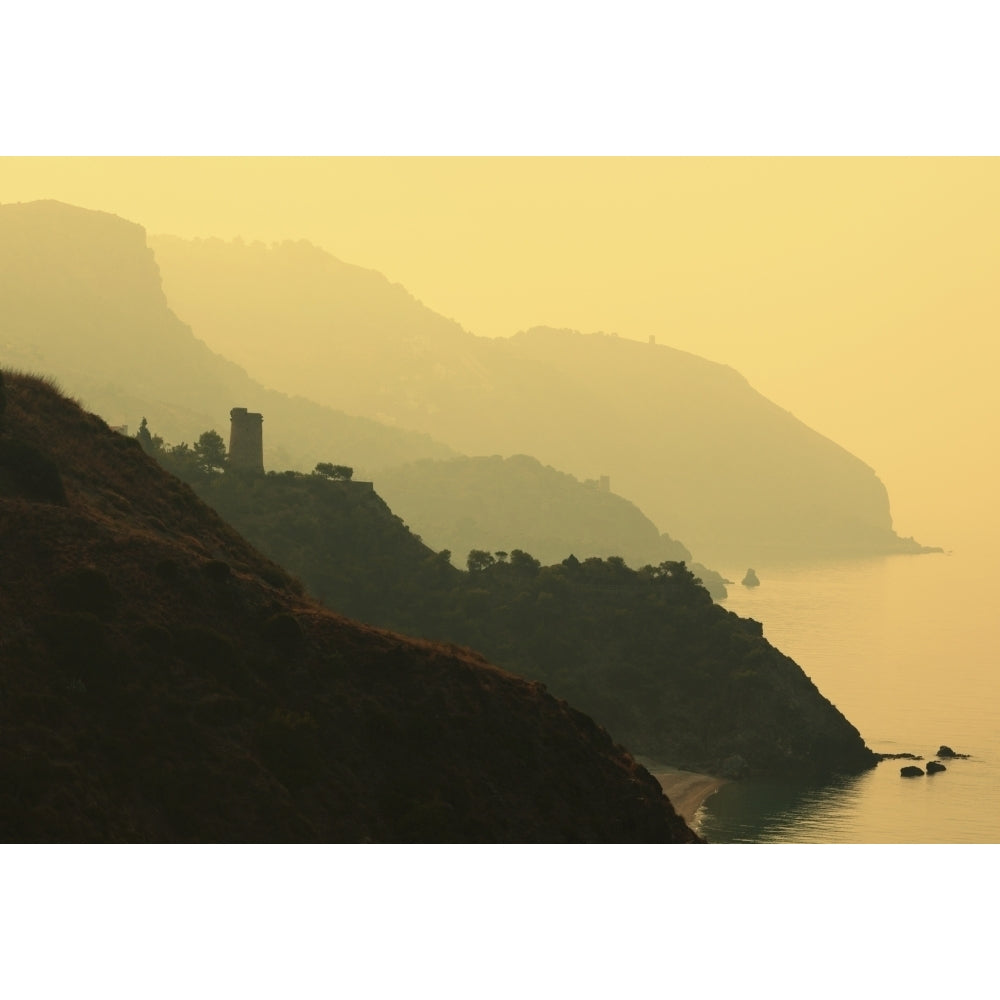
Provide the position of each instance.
(246, 440)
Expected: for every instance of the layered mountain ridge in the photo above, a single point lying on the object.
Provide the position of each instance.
(81, 299)
(709, 459)
(734, 478)
(492, 503)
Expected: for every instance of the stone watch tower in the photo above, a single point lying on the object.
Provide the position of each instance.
(246, 440)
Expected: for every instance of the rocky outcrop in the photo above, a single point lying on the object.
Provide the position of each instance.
(750, 579)
(935, 767)
(946, 751)
(911, 771)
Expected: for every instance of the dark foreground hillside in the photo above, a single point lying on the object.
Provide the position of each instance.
(161, 680)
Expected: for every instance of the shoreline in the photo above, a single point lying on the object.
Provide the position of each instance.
(687, 790)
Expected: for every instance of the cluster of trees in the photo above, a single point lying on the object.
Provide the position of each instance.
(207, 458)
(340, 473)
(479, 561)
(497, 503)
(196, 463)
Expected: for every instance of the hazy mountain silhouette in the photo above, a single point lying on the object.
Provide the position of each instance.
(494, 504)
(164, 681)
(690, 441)
(81, 298)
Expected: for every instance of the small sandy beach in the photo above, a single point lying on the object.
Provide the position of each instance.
(687, 790)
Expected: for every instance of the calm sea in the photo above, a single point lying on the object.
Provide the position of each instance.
(907, 648)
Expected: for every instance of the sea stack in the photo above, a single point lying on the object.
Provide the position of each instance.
(750, 580)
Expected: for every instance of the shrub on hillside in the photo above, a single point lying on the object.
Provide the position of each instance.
(210, 652)
(27, 472)
(280, 580)
(86, 589)
(168, 570)
(155, 637)
(218, 710)
(216, 570)
(284, 632)
(78, 642)
(288, 746)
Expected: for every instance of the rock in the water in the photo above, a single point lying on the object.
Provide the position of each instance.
(911, 771)
(933, 766)
(750, 580)
(944, 751)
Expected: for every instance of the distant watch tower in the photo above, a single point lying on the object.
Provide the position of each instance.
(246, 440)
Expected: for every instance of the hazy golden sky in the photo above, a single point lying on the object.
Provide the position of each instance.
(861, 294)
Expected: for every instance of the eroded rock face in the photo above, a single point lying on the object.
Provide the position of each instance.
(911, 771)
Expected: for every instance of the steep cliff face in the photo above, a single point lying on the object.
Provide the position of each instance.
(710, 460)
(81, 299)
(163, 681)
(733, 474)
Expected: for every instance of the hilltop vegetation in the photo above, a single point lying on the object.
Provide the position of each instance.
(163, 681)
(502, 504)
